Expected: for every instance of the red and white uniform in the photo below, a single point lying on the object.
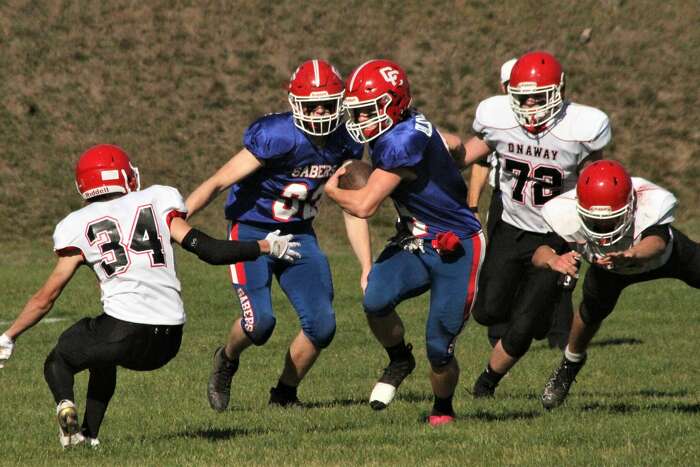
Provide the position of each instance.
(126, 241)
(537, 167)
(654, 206)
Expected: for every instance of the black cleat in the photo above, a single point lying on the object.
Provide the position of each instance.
(283, 399)
(385, 389)
(483, 388)
(559, 384)
(219, 387)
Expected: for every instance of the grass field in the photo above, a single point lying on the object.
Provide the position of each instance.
(636, 402)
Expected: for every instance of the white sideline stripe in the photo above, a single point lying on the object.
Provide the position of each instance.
(45, 320)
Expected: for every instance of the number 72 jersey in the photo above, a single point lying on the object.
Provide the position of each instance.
(126, 241)
(537, 167)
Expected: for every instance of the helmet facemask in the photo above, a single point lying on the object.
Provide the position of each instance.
(549, 103)
(604, 225)
(378, 120)
(306, 120)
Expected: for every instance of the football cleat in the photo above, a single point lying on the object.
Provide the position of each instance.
(282, 399)
(559, 384)
(219, 387)
(385, 389)
(437, 420)
(68, 429)
(483, 388)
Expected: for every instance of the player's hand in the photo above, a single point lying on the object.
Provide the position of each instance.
(6, 347)
(625, 258)
(332, 183)
(363, 280)
(283, 246)
(566, 263)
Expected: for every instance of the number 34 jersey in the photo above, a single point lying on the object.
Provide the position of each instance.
(537, 167)
(289, 184)
(126, 241)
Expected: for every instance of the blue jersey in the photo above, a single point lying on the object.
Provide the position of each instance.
(436, 201)
(289, 184)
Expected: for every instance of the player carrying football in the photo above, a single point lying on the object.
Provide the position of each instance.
(439, 245)
(542, 142)
(124, 234)
(622, 227)
(275, 183)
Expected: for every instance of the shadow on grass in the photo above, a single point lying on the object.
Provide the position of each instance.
(487, 416)
(335, 403)
(625, 408)
(215, 434)
(616, 341)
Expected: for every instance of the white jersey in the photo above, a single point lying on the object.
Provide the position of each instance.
(654, 206)
(126, 241)
(535, 168)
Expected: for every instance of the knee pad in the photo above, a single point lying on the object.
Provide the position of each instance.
(260, 329)
(482, 316)
(590, 315)
(516, 344)
(322, 331)
(439, 353)
(376, 305)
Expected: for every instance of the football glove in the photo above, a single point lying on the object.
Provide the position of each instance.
(446, 243)
(6, 347)
(282, 246)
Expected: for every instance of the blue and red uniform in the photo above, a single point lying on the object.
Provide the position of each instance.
(282, 195)
(431, 204)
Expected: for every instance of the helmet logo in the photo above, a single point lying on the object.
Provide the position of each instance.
(390, 75)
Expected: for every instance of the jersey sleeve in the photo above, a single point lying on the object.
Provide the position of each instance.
(560, 214)
(401, 150)
(602, 135)
(170, 203)
(269, 137)
(67, 237)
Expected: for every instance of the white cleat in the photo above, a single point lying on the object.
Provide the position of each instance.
(68, 429)
(381, 396)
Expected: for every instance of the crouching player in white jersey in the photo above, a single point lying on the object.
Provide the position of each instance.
(622, 227)
(542, 142)
(125, 236)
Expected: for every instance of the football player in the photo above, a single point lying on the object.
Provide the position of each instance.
(124, 234)
(439, 244)
(622, 227)
(542, 142)
(488, 169)
(275, 183)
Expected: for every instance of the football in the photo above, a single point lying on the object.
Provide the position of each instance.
(356, 175)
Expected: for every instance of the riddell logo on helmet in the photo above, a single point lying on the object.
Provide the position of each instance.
(390, 75)
(102, 190)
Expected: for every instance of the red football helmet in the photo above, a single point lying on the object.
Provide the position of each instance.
(105, 169)
(536, 77)
(605, 201)
(379, 91)
(316, 86)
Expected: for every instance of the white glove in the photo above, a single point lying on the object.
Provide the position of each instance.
(282, 246)
(6, 347)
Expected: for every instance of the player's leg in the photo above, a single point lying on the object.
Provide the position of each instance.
(495, 331)
(396, 275)
(530, 316)
(601, 290)
(499, 281)
(308, 285)
(101, 386)
(453, 288)
(558, 334)
(251, 282)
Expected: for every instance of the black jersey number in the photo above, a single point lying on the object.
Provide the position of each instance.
(145, 238)
(544, 181)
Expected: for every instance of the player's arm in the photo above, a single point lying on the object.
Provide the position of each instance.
(477, 181)
(546, 258)
(454, 145)
(653, 243)
(358, 234)
(474, 149)
(218, 252)
(240, 166)
(365, 201)
(42, 301)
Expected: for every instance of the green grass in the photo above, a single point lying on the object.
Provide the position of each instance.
(636, 402)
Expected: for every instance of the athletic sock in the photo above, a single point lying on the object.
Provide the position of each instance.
(574, 357)
(443, 406)
(491, 376)
(289, 392)
(399, 351)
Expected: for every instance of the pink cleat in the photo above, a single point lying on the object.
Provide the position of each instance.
(437, 420)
